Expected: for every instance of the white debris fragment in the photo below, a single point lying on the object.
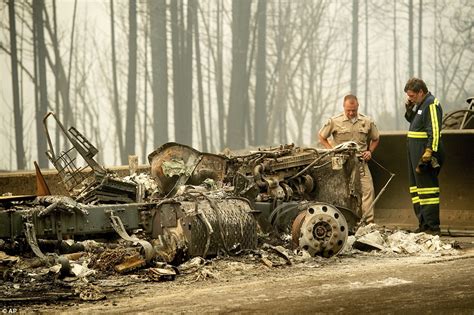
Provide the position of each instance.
(348, 246)
(366, 229)
(397, 241)
(192, 265)
(55, 268)
(81, 271)
(373, 239)
(145, 180)
(286, 237)
(303, 256)
(210, 184)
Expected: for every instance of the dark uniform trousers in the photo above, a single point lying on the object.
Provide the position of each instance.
(424, 187)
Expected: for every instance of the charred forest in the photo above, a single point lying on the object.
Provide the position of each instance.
(133, 75)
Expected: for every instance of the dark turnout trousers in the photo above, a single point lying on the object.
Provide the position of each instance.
(424, 186)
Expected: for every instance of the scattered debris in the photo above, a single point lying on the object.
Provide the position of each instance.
(161, 274)
(204, 274)
(267, 262)
(369, 241)
(192, 265)
(130, 263)
(82, 271)
(144, 180)
(7, 260)
(196, 216)
(107, 260)
(281, 251)
(90, 293)
(373, 237)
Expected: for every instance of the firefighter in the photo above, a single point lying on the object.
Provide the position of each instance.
(425, 154)
(353, 126)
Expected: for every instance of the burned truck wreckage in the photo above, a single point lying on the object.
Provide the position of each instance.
(192, 203)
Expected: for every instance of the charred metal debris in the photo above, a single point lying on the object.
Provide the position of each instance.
(193, 205)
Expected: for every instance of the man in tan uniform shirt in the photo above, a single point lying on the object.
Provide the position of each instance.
(353, 126)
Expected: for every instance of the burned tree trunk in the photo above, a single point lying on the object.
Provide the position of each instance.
(420, 38)
(411, 53)
(219, 78)
(160, 71)
(116, 106)
(355, 43)
(67, 112)
(20, 151)
(365, 108)
(42, 82)
(395, 68)
(260, 124)
(62, 80)
(132, 82)
(185, 125)
(56, 79)
(177, 61)
(238, 88)
(202, 120)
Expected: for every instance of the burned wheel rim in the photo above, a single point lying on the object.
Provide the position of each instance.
(320, 229)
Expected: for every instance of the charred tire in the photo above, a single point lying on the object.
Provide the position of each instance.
(454, 119)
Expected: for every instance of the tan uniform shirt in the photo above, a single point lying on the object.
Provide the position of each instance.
(342, 129)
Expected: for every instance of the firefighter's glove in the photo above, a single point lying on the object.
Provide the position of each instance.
(435, 163)
(426, 157)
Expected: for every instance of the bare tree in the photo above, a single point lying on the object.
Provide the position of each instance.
(420, 38)
(182, 48)
(159, 71)
(355, 45)
(411, 53)
(202, 121)
(43, 88)
(435, 27)
(219, 76)
(366, 96)
(177, 59)
(18, 117)
(210, 54)
(238, 89)
(185, 126)
(132, 82)
(278, 98)
(455, 54)
(115, 104)
(56, 80)
(67, 112)
(62, 79)
(146, 81)
(395, 66)
(330, 69)
(260, 124)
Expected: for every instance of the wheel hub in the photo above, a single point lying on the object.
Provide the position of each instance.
(320, 229)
